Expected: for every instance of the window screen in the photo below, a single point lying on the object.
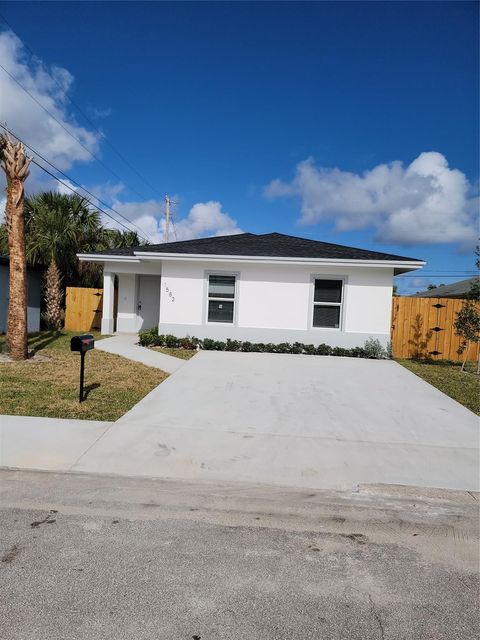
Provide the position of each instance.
(324, 316)
(328, 291)
(327, 303)
(221, 287)
(221, 298)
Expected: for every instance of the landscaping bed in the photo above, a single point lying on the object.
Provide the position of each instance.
(176, 352)
(462, 386)
(49, 386)
(372, 348)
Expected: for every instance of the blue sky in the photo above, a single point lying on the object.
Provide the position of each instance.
(315, 119)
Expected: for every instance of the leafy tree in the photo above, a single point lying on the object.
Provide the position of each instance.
(467, 322)
(58, 226)
(89, 273)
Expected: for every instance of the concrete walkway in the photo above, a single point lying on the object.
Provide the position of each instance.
(49, 444)
(125, 345)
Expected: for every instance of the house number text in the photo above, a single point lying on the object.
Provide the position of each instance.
(170, 294)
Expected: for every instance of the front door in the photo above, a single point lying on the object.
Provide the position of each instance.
(148, 302)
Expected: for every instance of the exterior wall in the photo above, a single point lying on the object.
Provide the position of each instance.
(274, 303)
(34, 297)
(127, 303)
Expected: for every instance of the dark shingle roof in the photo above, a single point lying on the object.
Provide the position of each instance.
(274, 245)
(454, 290)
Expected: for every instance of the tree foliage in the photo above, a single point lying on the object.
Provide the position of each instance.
(467, 322)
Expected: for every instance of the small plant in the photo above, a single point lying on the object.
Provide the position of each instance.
(171, 341)
(419, 341)
(374, 349)
(324, 350)
(467, 326)
(149, 338)
(283, 347)
(233, 345)
(188, 343)
(310, 349)
(297, 347)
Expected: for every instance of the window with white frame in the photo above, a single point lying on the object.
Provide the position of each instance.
(327, 303)
(221, 298)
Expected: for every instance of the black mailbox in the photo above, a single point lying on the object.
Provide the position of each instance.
(82, 343)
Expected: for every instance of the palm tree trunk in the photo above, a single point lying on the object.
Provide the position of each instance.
(53, 297)
(15, 163)
(17, 306)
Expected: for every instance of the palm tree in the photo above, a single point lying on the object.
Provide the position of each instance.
(15, 164)
(58, 227)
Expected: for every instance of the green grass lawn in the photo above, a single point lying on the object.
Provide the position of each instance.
(462, 386)
(184, 354)
(50, 387)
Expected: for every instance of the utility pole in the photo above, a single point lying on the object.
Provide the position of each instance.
(167, 218)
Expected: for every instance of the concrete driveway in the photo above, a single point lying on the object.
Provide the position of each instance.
(320, 422)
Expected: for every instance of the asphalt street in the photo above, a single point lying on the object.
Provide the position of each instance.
(96, 557)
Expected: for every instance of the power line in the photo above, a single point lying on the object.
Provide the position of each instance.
(84, 115)
(76, 184)
(73, 190)
(70, 133)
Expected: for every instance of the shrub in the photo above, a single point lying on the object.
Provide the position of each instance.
(374, 349)
(296, 347)
(148, 338)
(171, 341)
(233, 345)
(357, 352)
(188, 343)
(310, 349)
(283, 347)
(323, 350)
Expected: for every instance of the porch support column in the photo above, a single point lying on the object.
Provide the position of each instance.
(108, 297)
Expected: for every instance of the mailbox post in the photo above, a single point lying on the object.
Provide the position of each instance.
(82, 344)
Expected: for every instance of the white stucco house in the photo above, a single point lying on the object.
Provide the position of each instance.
(261, 288)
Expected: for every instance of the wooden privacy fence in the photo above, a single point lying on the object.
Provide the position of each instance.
(423, 327)
(83, 309)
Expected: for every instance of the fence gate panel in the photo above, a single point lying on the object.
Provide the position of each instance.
(423, 327)
(83, 309)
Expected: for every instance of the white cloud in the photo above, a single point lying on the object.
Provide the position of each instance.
(204, 219)
(50, 86)
(424, 202)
